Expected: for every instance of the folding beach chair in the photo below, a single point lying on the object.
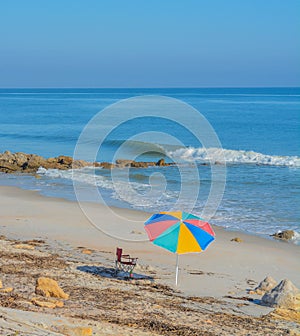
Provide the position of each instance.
(124, 262)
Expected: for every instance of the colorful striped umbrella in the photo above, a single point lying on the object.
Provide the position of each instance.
(179, 232)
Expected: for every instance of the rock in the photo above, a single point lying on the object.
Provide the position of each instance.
(47, 303)
(21, 159)
(136, 232)
(286, 314)
(34, 162)
(49, 288)
(31, 163)
(44, 304)
(80, 164)
(284, 235)
(161, 162)
(24, 246)
(8, 168)
(34, 242)
(86, 251)
(135, 164)
(6, 290)
(284, 295)
(121, 163)
(265, 286)
(237, 240)
(104, 165)
(65, 160)
(75, 331)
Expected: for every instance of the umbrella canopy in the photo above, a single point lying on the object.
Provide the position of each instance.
(179, 232)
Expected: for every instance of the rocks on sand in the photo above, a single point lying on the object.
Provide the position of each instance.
(24, 246)
(237, 240)
(265, 286)
(284, 235)
(76, 331)
(5, 290)
(287, 314)
(284, 295)
(49, 288)
(86, 251)
(47, 303)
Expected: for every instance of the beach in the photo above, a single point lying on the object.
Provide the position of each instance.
(224, 273)
(149, 168)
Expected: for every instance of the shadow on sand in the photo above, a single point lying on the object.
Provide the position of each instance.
(108, 272)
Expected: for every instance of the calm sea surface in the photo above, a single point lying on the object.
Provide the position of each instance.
(258, 130)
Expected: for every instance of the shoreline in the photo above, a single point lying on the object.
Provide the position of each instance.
(28, 215)
(268, 237)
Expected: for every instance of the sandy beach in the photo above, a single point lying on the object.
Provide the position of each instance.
(219, 277)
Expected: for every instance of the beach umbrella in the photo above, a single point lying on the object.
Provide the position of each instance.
(179, 232)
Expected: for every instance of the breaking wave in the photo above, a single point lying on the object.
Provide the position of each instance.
(219, 155)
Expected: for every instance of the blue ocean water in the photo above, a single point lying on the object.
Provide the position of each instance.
(258, 129)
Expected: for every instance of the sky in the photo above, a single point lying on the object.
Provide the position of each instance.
(157, 43)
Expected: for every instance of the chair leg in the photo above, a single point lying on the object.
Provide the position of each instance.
(116, 269)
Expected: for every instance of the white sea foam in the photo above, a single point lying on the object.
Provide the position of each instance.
(296, 238)
(218, 155)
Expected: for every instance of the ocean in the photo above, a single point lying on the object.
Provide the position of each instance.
(256, 149)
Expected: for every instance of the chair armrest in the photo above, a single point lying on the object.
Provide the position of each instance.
(128, 258)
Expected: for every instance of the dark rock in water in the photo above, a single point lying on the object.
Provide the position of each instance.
(284, 235)
(161, 162)
(284, 295)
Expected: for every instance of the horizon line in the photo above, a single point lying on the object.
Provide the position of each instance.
(153, 87)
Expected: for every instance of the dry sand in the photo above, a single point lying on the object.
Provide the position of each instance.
(220, 276)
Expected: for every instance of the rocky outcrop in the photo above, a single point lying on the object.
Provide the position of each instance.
(120, 163)
(49, 288)
(284, 295)
(284, 235)
(30, 163)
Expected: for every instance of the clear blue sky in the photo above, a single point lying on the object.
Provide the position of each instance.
(149, 43)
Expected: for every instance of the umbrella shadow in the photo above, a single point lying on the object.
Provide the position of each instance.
(109, 272)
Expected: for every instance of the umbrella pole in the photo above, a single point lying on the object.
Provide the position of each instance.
(176, 279)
